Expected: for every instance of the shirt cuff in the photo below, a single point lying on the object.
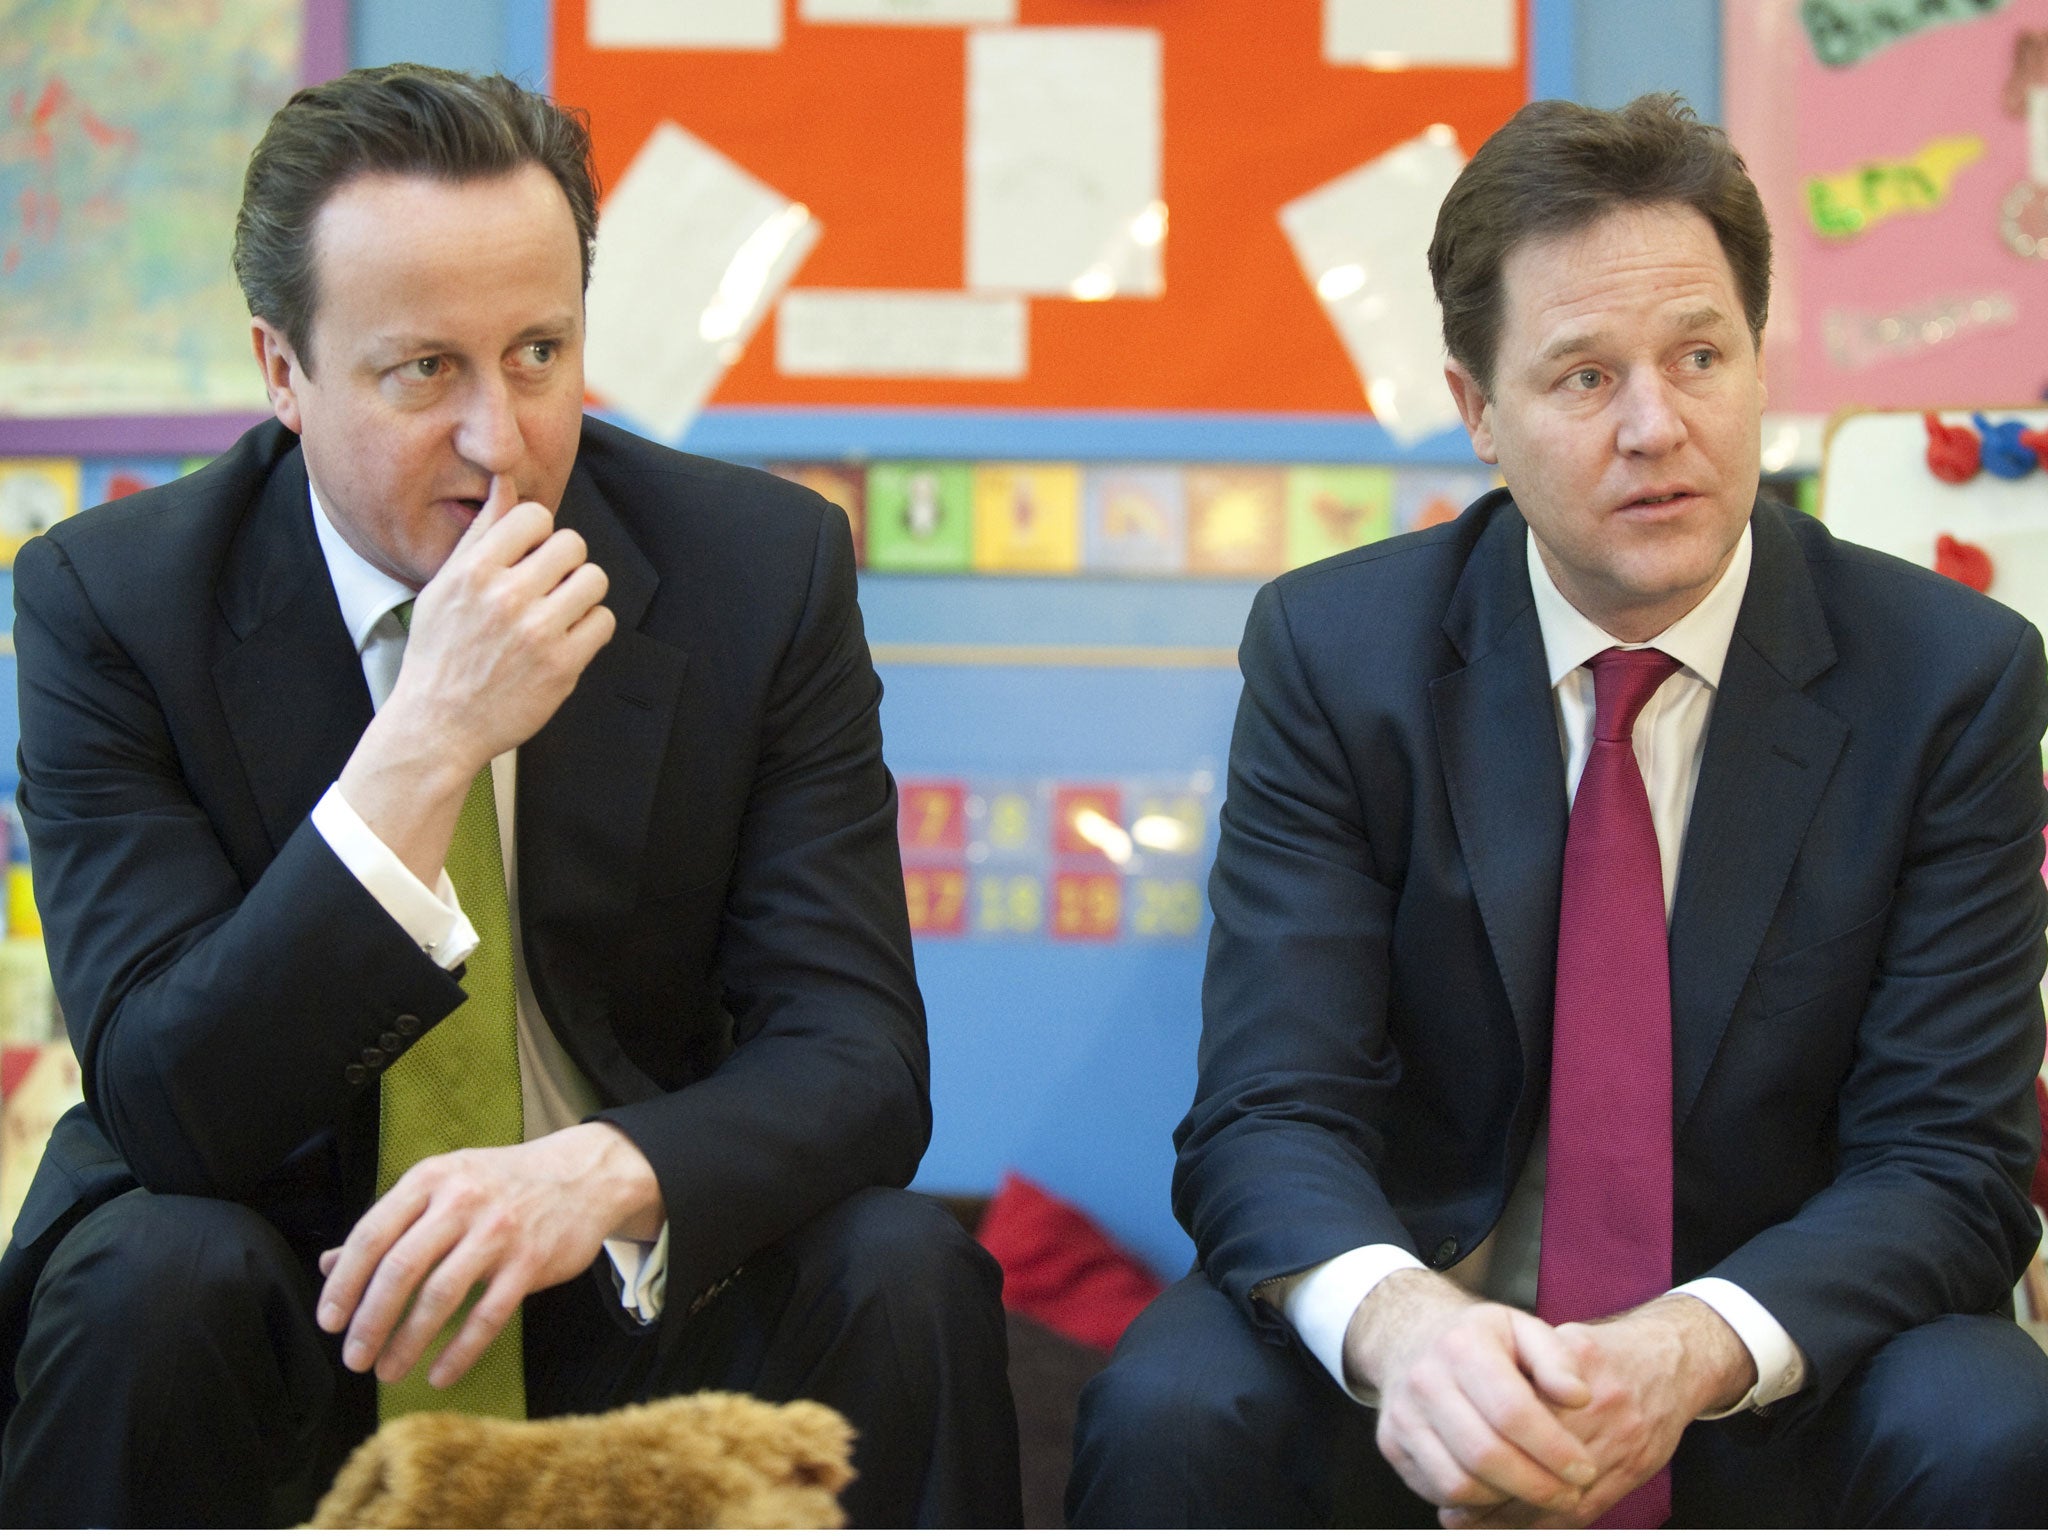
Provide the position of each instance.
(643, 1273)
(434, 919)
(1319, 1303)
(1780, 1367)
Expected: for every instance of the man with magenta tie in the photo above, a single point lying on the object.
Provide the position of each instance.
(1616, 1083)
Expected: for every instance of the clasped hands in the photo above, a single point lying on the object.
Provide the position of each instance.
(1501, 1420)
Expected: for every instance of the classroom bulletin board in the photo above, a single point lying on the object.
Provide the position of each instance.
(1901, 147)
(867, 127)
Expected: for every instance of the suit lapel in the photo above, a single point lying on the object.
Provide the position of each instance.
(1770, 752)
(587, 781)
(1504, 775)
(289, 682)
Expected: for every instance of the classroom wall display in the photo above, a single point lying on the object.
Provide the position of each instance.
(1072, 862)
(121, 156)
(1051, 204)
(1129, 519)
(1901, 147)
(1894, 480)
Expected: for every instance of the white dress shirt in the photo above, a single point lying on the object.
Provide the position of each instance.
(1669, 740)
(553, 1092)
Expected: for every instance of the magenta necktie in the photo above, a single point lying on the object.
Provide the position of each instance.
(1607, 1193)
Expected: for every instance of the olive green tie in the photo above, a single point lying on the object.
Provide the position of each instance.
(458, 1086)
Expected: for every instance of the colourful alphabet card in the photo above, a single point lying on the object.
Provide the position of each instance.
(920, 517)
(1027, 517)
(1237, 522)
(1136, 519)
(1331, 509)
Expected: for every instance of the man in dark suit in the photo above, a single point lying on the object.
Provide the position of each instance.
(1628, 902)
(434, 712)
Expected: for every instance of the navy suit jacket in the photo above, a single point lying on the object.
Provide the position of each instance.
(1856, 938)
(711, 901)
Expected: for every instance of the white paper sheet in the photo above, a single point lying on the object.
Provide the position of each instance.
(881, 334)
(1063, 147)
(691, 252)
(684, 24)
(919, 13)
(1408, 34)
(1363, 244)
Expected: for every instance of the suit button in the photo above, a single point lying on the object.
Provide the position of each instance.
(392, 1043)
(407, 1025)
(1446, 1251)
(372, 1057)
(355, 1075)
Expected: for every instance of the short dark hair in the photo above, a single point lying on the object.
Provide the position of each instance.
(398, 119)
(1556, 167)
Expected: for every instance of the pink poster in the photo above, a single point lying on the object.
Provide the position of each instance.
(1907, 192)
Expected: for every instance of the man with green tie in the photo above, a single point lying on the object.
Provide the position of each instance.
(470, 878)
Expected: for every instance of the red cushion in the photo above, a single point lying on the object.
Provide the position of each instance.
(2041, 1168)
(1060, 1269)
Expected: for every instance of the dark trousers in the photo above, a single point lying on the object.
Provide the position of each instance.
(172, 1374)
(1198, 1421)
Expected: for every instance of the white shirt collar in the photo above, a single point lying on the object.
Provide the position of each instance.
(365, 593)
(1698, 642)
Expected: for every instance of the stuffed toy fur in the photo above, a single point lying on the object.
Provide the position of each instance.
(712, 1459)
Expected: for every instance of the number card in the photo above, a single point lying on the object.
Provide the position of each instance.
(1088, 825)
(937, 898)
(1099, 862)
(1087, 906)
(931, 817)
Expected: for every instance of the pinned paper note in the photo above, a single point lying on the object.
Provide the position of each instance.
(1063, 162)
(1027, 517)
(1861, 338)
(920, 517)
(1400, 34)
(691, 252)
(1136, 518)
(923, 13)
(1845, 32)
(1849, 202)
(35, 495)
(1363, 244)
(882, 334)
(684, 23)
(1333, 508)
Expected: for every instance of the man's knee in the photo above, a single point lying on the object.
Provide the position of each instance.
(170, 1373)
(1946, 1425)
(158, 1266)
(1198, 1420)
(891, 1247)
(1177, 1384)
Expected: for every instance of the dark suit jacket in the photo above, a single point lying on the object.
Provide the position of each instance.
(712, 906)
(1856, 940)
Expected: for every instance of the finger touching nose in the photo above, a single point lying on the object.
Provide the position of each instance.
(488, 434)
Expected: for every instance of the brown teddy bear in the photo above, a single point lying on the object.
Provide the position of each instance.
(707, 1460)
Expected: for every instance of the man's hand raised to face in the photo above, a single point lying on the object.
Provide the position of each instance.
(498, 638)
